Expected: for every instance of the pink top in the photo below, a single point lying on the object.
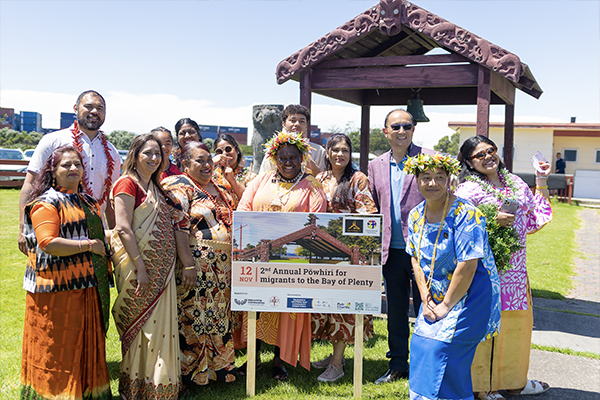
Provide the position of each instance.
(261, 193)
(533, 213)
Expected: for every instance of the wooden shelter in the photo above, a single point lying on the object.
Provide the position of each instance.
(380, 58)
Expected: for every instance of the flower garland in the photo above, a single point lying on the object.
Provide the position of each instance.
(422, 162)
(285, 137)
(240, 173)
(507, 181)
(110, 163)
(504, 242)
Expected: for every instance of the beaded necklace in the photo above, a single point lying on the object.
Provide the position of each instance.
(240, 172)
(225, 219)
(428, 283)
(278, 200)
(509, 191)
(110, 163)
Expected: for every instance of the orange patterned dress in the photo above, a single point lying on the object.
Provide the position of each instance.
(340, 327)
(207, 351)
(289, 331)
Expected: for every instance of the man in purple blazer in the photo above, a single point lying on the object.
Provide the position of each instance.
(395, 194)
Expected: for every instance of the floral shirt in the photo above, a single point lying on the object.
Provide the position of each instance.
(359, 199)
(533, 213)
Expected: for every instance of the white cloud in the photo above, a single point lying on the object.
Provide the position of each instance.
(141, 113)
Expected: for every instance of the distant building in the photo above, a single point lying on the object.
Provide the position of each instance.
(7, 118)
(67, 119)
(578, 143)
(31, 121)
(240, 134)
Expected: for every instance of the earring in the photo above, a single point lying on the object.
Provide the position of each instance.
(53, 181)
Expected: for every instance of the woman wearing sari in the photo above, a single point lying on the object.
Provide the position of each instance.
(503, 363)
(347, 191)
(230, 170)
(67, 283)
(289, 189)
(207, 351)
(145, 246)
(457, 279)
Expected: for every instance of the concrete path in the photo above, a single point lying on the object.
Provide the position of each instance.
(573, 323)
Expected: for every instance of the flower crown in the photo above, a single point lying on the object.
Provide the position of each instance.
(422, 162)
(285, 137)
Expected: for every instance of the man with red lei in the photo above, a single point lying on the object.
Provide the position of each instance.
(102, 164)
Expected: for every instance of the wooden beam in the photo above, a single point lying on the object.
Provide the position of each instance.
(430, 96)
(397, 60)
(509, 135)
(353, 96)
(396, 77)
(503, 88)
(483, 101)
(365, 137)
(306, 78)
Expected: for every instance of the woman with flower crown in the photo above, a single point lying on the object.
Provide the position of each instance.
(204, 309)
(457, 279)
(288, 189)
(503, 363)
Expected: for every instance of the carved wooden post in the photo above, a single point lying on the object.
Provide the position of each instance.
(265, 247)
(365, 136)
(509, 135)
(306, 91)
(483, 101)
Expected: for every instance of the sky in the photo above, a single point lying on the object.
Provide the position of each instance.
(157, 61)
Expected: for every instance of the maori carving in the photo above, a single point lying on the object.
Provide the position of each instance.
(266, 120)
(390, 12)
(388, 16)
(463, 42)
(328, 44)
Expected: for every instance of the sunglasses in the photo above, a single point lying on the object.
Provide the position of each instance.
(227, 150)
(406, 127)
(481, 155)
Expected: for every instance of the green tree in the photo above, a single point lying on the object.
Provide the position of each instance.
(121, 139)
(12, 139)
(448, 144)
(246, 150)
(302, 252)
(280, 251)
(378, 143)
(210, 143)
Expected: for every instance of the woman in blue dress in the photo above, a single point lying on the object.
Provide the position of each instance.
(458, 282)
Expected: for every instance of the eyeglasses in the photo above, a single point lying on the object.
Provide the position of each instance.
(227, 150)
(406, 127)
(481, 155)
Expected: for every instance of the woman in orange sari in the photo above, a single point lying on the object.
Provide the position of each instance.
(289, 189)
(67, 283)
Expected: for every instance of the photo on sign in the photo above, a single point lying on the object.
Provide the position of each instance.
(324, 238)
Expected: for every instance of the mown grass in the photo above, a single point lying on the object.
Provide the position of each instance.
(550, 253)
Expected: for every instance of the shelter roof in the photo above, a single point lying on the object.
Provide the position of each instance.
(394, 29)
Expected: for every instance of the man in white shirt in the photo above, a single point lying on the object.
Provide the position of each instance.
(296, 118)
(101, 159)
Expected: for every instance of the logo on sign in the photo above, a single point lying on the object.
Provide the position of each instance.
(352, 225)
(343, 306)
(371, 224)
(274, 301)
(240, 302)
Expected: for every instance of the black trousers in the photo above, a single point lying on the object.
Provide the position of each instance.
(398, 278)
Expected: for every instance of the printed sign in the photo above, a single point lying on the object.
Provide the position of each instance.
(302, 262)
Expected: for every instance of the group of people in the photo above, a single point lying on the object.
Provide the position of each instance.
(162, 231)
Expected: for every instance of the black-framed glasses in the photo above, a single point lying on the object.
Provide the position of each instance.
(406, 127)
(227, 150)
(481, 154)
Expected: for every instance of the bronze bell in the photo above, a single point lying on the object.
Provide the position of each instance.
(415, 108)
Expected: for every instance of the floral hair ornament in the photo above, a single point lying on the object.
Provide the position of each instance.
(422, 162)
(285, 137)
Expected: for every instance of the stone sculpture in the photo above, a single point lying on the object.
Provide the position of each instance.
(266, 119)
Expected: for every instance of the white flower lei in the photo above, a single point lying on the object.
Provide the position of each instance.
(505, 177)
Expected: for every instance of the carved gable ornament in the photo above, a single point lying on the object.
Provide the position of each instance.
(388, 17)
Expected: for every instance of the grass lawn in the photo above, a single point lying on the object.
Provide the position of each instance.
(550, 253)
(550, 267)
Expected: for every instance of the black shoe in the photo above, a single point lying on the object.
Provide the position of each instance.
(391, 376)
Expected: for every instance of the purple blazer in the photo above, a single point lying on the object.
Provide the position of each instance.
(379, 179)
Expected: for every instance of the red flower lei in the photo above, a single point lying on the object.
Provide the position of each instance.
(225, 219)
(110, 163)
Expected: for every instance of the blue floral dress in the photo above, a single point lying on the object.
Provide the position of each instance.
(442, 351)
